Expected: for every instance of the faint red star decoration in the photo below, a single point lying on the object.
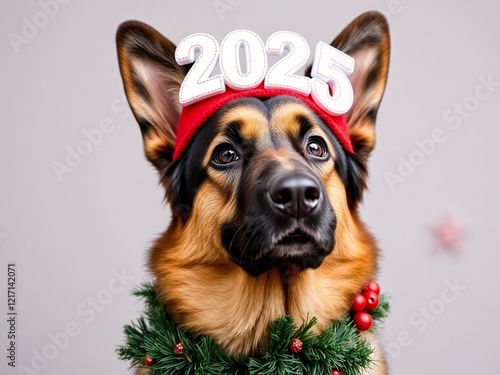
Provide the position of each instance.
(448, 235)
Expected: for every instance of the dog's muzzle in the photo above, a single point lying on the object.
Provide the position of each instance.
(288, 221)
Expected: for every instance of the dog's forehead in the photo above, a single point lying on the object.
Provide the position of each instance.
(277, 124)
(245, 120)
(278, 120)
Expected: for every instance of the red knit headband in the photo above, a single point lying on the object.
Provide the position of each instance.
(196, 114)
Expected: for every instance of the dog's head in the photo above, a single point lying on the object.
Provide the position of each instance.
(264, 181)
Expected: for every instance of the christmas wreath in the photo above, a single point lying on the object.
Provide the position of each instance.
(155, 341)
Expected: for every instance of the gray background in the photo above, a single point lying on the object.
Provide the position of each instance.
(68, 237)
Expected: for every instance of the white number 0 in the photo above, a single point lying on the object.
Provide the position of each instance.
(256, 60)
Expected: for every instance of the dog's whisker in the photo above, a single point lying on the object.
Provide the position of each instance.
(234, 236)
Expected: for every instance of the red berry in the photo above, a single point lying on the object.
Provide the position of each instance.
(363, 321)
(148, 361)
(371, 300)
(179, 349)
(336, 372)
(295, 345)
(373, 286)
(359, 303)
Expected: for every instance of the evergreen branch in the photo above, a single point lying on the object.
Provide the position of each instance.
(155, 334)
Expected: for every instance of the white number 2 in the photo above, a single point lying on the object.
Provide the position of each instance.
(282, 74)
(329, 71)
(198, 84)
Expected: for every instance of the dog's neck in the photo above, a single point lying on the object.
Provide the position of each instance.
(221, 300)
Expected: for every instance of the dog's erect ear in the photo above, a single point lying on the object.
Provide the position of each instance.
(151, 78)
(366, 39)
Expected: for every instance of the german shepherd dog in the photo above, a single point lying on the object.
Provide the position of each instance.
(264, 200)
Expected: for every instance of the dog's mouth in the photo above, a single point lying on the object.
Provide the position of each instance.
(293, 245)
(298, 236)
(293, 250)
(301, 245)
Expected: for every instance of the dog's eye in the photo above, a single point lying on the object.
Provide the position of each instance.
(317, 148)
(225, 154)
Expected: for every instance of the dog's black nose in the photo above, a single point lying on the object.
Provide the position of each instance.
(295, 194)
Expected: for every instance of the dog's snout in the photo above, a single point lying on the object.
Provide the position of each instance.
(295, 194)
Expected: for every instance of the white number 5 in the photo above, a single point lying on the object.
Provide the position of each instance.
(330, 70)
